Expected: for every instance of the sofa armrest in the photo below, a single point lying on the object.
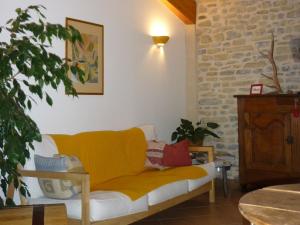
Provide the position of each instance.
(210, 152)
(84, 178)
(207, 149)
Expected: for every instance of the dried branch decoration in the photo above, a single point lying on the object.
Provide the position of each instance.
(270, 56)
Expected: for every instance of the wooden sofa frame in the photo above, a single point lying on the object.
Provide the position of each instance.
(84, 178)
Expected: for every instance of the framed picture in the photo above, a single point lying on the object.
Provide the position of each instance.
(89, 56)
(256, 89)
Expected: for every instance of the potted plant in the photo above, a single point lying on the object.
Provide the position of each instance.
(26, 68)
(195, 135)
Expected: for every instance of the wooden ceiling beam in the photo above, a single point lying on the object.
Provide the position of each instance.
(184, 9)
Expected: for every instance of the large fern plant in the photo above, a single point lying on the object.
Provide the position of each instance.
(26, 68)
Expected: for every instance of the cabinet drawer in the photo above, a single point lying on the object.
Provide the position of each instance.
(267, 104)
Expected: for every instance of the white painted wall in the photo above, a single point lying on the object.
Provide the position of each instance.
(142, 84)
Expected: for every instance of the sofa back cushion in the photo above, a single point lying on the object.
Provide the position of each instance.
(106, 154)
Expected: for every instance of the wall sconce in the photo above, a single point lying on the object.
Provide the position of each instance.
(160, 41)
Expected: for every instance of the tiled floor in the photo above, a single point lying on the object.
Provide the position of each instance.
(199, 212)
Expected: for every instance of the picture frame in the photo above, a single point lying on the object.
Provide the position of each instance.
(256, 89)
(89, 56)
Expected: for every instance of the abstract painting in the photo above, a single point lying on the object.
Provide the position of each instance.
(88, 55)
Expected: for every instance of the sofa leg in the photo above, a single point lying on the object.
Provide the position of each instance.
(212, 193)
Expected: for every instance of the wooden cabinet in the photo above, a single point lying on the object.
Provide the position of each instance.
(269, 139)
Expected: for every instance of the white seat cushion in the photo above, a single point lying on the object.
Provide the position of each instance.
(211, 174)
(167, 192)
(103, 205)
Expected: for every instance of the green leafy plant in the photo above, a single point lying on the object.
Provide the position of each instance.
(26, 68)
(195, 135)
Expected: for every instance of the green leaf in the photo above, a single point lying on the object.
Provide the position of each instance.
(54, 85)
(26, 82)
(199, 134)
(10, 203)
(212, 125)
(23, 191)
(81, 75)
(49, 100)
(16, 183)
(29, 105)
(181, 139)
(9, 21)
(18, 10)
(174, 136)
(1, 203)
(73, 70)
(210, 133)
(186, 122)
(4, 186)
(39, 91)
(13, 91)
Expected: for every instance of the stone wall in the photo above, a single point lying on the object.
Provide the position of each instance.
(229, 35)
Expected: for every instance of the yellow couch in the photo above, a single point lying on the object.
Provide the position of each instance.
(114, 161)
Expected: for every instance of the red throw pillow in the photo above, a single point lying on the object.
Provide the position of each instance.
(177, 154)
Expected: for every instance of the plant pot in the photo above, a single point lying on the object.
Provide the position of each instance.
(198, 143)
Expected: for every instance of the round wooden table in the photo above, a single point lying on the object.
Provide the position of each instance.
(275, 205)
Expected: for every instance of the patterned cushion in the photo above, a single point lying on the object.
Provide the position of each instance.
(155, 153)
(55, 188)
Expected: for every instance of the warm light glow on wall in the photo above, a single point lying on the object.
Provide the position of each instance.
(158, 54)
(158, 28)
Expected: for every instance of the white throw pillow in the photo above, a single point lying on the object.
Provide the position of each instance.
(149, 132)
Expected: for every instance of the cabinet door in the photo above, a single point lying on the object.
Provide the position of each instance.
(296, 144)
(265, 138)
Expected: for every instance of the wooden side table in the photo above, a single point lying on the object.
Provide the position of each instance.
(275, 205)
(34, 215)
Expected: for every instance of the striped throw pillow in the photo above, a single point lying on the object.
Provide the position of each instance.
(155, 154)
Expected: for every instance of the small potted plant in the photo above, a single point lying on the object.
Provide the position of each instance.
(195, 135)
